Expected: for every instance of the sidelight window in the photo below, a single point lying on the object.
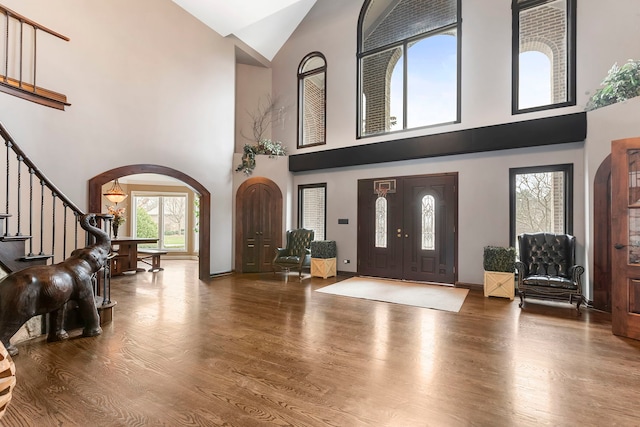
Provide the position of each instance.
(312, 209)
(541, 200)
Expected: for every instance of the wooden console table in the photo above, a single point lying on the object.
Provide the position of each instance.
(126, 259)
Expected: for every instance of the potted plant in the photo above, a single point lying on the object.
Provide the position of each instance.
(499, 268)
(323, 258)
(265, 146)
(621, 83)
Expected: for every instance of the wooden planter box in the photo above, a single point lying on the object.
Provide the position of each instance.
(323, 267)
(498, 284)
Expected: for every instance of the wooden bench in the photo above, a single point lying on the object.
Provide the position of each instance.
(154, 255)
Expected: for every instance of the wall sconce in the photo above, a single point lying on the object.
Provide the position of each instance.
(115, 194)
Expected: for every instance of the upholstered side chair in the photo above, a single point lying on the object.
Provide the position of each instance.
(547, 267)
(297, 253)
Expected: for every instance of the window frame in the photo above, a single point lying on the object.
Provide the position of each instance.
(567, 169)
(301, 189)
(301, 78)
(161, 195)
(517, 7)
(361, 54)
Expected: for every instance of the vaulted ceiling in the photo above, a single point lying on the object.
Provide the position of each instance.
(264, 25)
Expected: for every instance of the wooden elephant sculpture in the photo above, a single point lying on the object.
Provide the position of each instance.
(47, 288)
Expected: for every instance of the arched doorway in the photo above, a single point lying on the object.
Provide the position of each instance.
(95, 194)
(258, 224)
(602, 236)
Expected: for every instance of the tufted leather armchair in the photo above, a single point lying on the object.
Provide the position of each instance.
(547, 267)
(297, 254)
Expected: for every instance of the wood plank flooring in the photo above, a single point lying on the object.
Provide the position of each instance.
(254, 350)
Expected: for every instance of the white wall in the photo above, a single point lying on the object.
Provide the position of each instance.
(148, 83)
(607, 32)
(253, 92)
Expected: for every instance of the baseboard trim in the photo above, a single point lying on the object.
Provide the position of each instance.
(471, 286)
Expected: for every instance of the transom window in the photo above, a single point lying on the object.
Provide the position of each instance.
(409, 62)
(543, 54)
(541, 200)
(312, 100)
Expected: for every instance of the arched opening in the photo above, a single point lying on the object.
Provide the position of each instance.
(602, 236)
(95, 194)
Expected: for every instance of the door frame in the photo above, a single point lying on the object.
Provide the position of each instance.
(204, 250)
(455, 240)
(240, 211)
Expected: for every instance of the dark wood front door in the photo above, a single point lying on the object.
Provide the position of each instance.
(625, 233)
(259, 225)
(409, 232)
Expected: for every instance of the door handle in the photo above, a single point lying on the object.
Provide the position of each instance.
(619, 246)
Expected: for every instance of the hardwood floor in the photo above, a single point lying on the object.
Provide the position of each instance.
(251, 350)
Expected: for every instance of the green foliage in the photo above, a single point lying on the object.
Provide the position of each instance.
(323, 249)
(145, 227)
(499, 259)
(265, 146)
(621, 83)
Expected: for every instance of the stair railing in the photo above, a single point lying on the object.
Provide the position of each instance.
(52, 227)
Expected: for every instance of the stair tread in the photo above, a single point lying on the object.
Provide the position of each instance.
(14, 238)
(35, 257)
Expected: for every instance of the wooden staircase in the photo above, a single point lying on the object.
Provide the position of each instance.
(40, 224)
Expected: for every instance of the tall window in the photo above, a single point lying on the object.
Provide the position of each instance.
(312, 209)
(409, 65)
(541, 200)
(312, 100)
(161, 216)
(544, 61)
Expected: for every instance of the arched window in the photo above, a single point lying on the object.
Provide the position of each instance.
(544, 61)
(408, 65)
(312, 100)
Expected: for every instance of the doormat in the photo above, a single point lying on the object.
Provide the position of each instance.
(416, 294)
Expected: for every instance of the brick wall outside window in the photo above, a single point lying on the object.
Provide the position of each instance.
(544, 29)
(407, 19)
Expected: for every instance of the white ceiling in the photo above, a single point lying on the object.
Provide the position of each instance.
(264, 25)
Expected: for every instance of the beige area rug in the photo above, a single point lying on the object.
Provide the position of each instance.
(400, 292)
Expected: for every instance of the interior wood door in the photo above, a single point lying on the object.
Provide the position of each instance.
(625, 232)
(259, 205)
(409, 232)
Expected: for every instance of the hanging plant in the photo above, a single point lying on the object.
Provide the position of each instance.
(265, 146)
(621, 83)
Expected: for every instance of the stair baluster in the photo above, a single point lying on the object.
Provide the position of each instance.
(31, 173)
(20, 160)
